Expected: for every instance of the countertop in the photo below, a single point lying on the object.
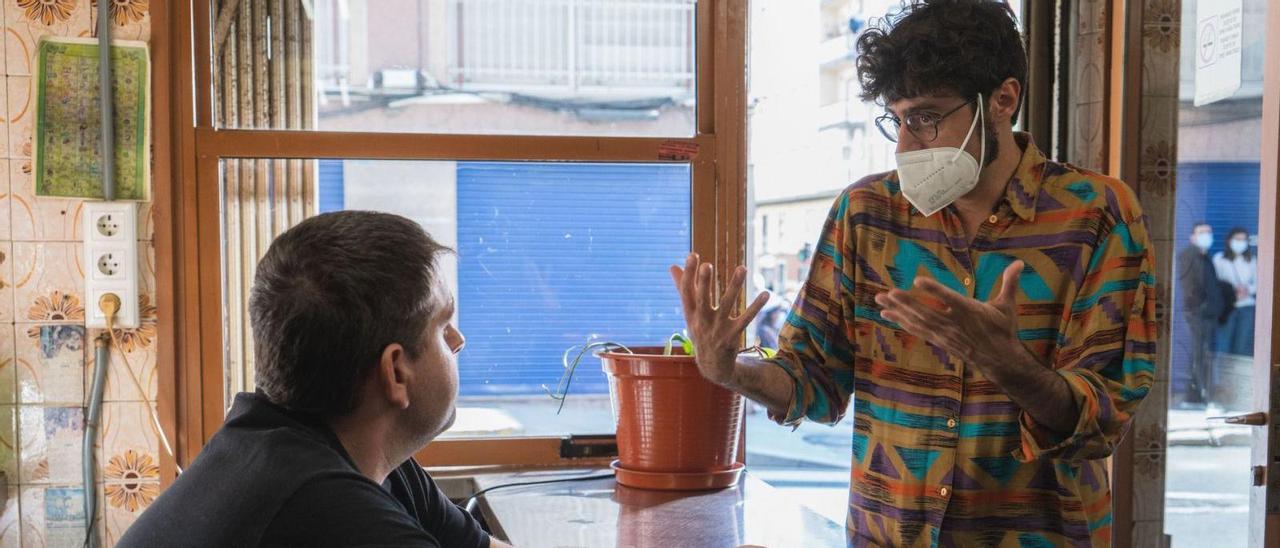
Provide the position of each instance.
(601, 513)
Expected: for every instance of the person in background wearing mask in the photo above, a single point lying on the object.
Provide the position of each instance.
(1236, 266)
(767, 327)
(1202, 304)
(990, 313)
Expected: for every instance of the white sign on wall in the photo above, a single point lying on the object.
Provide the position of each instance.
(1218, 46)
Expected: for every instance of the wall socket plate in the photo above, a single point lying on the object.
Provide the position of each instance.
(110, 232)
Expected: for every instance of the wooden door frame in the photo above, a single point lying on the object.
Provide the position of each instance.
(1264, 501)
(189, 254)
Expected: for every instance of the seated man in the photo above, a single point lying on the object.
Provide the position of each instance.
(354, 353)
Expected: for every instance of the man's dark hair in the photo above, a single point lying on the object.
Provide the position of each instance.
(329, 295)
(936, 47)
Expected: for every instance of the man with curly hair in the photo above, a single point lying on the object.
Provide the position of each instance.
(989, 312)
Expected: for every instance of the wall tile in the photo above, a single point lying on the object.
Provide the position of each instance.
(41, 218)
(128, 444)
(8, 364)
(6, 283)
(1089, 83)
(51, 364)
(139, 358)
(146, 222)
(6, 193)
(50, 444)
(131, 20)
(1087, 138)
(9, 443)
(52, 515)
(1156, 192)
(1148, 485)
(1159, 125)
(1149, 428)
(131, 484)
(1160, 66)
(19, 98)
(1091, 16)
(10, 524)
(49, 282)
(25, 25)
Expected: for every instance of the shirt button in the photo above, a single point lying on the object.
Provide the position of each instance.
(944, 491)
(951, 423)
(993, 219)
(968, 281)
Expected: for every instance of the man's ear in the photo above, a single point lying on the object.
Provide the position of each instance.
(392, 375)
(1005, 100)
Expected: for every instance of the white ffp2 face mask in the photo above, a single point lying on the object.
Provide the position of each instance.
(1203, 240)
(933, 178)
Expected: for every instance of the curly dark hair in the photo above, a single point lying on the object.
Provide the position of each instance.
(932, 47)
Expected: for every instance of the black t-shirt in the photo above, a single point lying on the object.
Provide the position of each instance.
(270, 477)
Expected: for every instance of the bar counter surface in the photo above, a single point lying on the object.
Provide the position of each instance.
(600, 513)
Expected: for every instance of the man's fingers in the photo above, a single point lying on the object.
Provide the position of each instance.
(690, 273)
(903, 305)
(730, 298)
(751, 311)
(942, 293)
(706, 286)
(1009, 289)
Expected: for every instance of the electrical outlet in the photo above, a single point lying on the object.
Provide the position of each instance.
(126, 317)
(107, 225)
(111, 261)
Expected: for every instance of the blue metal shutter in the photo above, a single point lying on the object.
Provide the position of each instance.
(550, 253)
(331, 190)
(1225, 195)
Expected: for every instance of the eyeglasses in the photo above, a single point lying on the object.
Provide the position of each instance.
(923, 125)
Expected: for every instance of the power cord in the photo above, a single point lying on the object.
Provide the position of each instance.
(469, 503)
(109, 303)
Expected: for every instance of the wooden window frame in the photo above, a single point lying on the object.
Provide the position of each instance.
(189, 148)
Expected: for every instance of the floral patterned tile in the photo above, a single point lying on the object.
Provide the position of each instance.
(52, 515)
(51, 364)
(50, 444)
(48, 282)
(122, 504)
(40, 218)
(131, 482)
(1160, 65)
(131, 19)
(26, 21)
(128, 445)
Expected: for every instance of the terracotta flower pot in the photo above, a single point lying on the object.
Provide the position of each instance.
(675, 429)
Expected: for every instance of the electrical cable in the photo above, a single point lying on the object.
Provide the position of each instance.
(469, 503)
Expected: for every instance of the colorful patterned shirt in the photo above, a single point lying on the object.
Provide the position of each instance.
(941, 455)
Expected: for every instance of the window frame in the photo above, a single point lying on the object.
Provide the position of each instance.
(190, 149)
